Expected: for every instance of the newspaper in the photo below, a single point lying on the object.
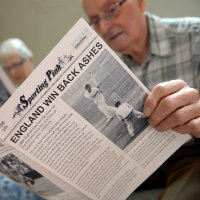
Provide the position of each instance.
(77, 127)
(6, 87)
(6, 90)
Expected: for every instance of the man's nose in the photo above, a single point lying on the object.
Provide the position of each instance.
(104, 26)
(12, 71)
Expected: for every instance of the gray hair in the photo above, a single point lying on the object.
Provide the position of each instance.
(14, 46)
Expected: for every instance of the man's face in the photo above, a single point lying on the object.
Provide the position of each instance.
(125, 30)
(17, 68)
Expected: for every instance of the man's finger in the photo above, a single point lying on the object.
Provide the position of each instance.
(193, 126)
(160, 91)
(179, 117)
(171, 103)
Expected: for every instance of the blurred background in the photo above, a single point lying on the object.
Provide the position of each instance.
(42, 23)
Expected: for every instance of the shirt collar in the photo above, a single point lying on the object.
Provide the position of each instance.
(159, 36)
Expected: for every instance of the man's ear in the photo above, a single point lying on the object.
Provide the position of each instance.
(142, 5)
(30, 60)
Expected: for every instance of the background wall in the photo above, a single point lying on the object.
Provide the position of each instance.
(42, 23)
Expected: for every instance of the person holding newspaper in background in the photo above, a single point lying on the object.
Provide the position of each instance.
(17, 61)
(165, 55)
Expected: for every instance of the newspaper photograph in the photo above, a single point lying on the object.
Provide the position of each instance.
(101, 98)
(79, 116)
(22, 173)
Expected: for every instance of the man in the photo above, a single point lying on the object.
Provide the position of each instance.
(95, 93)
(125, 112)
(160, 51)
(16, 59)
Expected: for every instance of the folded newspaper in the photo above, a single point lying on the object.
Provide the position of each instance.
(75, 129)
(6, 87)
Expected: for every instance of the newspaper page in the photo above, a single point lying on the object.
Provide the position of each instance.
(6, 87)
(25, 172)
(15, 166)
(79, 117)
(6, 90)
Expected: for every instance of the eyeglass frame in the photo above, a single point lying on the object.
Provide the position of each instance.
(106, 13)
(15, 65)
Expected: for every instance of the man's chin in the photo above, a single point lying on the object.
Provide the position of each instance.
(18, 82)
(119, 48)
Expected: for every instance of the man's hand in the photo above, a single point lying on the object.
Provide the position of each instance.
(174, 105)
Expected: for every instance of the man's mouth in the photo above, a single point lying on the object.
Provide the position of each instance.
(113, 37)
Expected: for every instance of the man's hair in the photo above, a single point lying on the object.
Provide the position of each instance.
(14, 46)
(87, 86)
(117, 104)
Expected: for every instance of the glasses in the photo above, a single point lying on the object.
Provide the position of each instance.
(108, 14)
(15, 65)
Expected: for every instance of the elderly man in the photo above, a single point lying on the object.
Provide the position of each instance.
(16, 59)
(165, 55)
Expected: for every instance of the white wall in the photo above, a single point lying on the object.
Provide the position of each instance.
(174, 8)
